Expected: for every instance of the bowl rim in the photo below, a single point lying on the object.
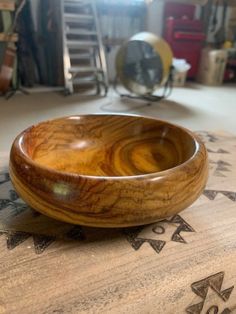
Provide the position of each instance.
(197, 141)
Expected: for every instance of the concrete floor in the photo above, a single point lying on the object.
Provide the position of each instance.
(195, 107)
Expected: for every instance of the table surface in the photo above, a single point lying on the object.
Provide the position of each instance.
(184, 264)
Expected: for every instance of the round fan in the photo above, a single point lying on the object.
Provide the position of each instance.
(143, 63)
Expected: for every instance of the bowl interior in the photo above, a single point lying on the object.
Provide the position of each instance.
(108, 145)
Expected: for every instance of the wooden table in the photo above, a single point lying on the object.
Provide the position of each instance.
(184, 264)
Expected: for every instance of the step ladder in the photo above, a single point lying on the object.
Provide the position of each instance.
(83, 52)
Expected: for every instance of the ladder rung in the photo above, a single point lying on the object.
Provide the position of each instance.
(81, 43)
(84, 81)
(77, 4)
(80, 56)
(78, 1)
(80, 31)
(72, 17)
(83, 69)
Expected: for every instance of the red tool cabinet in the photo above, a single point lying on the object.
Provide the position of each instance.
(184, 34)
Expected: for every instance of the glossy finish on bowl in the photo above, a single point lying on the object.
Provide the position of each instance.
(108, 170)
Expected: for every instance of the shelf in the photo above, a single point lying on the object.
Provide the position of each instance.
(7, 5)
(230, 3)
(6, 37)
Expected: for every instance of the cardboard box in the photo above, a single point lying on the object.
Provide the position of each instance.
(212, 66)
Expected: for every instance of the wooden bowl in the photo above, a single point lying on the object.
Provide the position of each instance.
(108, 170)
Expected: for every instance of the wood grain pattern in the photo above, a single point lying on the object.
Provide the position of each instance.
(108, 170)
(139, 270)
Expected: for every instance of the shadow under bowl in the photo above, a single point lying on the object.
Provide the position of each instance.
(108, 170)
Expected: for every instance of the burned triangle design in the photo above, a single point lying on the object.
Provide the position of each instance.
(210, 151)
(200, 288)
(195, 308)
(41, 242)
(18, 208)
(5, 178)
(230, 195)
(222, 168)
(4, 203)
(178, 238)
(210, 194)
(219, 151)
(212, 161)
(136, 242)
(215, 281)
(223, 163)
(132, 234)
(176, 219)
(207, 137)
(219, 174)
(226, 293)
(222, 151)
(157, 245)
(13, 195)
(183, 226)
(16, 238)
